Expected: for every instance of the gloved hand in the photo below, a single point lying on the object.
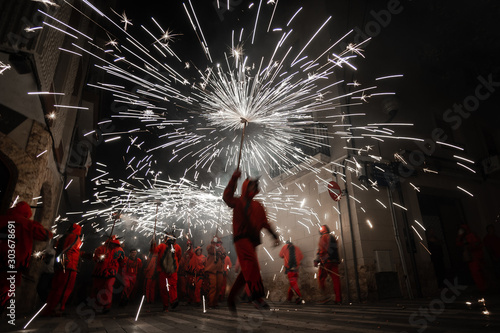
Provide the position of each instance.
(237, 174)
(316, 263)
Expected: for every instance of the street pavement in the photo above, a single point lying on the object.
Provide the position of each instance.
(423, 315)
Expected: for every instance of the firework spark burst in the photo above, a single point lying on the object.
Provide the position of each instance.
(188, 112)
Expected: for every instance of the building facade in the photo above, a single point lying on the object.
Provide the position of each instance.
(42, 103)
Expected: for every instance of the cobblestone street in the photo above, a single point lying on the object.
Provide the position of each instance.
(386, 316)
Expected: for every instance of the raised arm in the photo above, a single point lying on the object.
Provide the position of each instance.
(228, 195)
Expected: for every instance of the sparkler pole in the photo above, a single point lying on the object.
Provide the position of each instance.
(116, 217)
(140, 306)
(328, 270)
(156, 217)
(245, 122)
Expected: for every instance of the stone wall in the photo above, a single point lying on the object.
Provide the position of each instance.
(34, 174)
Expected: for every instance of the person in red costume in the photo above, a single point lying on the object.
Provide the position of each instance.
(292, 256)
(328, 261)
(227, 266)
(182, 284)
(246, 295)
(17, 233)
(249, 218)
(214, 267)
(169, 255)
(473, 255)
(196, 270)
(108, 257)
(130, 268)
(66, 268)
(151, 275)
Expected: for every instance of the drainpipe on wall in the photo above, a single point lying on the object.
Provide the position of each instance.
(343, 250)
(398, 242)
(355, 258)
(409, 238)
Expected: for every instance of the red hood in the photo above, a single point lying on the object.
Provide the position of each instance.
(216, 240)
(113, 240)
(244, 188)
(22, 208)
(76, 229)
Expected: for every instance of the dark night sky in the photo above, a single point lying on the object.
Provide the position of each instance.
(440, 46)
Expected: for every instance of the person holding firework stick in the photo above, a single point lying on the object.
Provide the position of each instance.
(249, 218)
(169, 255)
(328, 262)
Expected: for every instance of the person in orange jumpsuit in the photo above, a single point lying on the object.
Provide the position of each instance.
(17, 233)
(151, 275)
(109, 258)
(328, 261)
(292, 256)
(169, 255)
(473, 255)
(130, 268)
(214, 267)
(182, 284)
(225, 271)
(249, 218)
(196, 270)
(67, 258)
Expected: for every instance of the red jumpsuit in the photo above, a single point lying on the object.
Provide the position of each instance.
(182, 284)
(150, 277)
(67, 258)
(213, 268)
(168, 280)
(129, 273)
(195, 270)
(249, 217)
(109, 257)
(474, 248)
(225, 270)
(16, 245)
(292, 256)
(237, 270)
(328, 266)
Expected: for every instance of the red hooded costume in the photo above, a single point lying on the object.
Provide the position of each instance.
(213, 269)
(131, 267)
(227, 266)
(328, 259)
(182, 283)
(108, 257)
(249, 218)
(150, 275)
(169, 255)
(196, 269)
(67, 258)
(292, 256)
(17, 233)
